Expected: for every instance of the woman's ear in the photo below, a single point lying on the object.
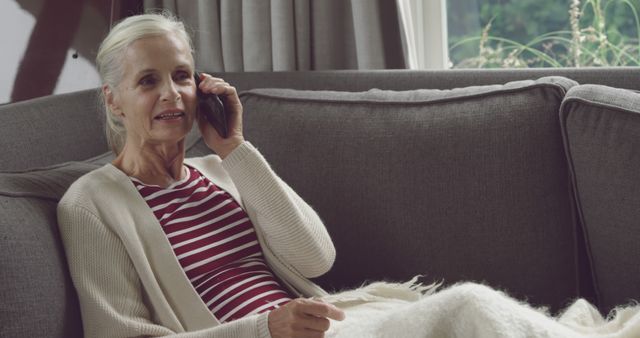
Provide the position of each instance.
(110, 100)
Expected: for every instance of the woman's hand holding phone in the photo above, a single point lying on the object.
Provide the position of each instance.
(233, 114)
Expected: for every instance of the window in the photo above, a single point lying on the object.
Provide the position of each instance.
(532, 33)
(543, 33)
(425, 24)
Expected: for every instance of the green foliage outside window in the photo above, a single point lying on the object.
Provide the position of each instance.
(544, 33)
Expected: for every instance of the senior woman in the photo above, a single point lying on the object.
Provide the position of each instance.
(157, 244)
(219, 246)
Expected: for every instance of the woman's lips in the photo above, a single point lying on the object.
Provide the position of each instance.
(170, 116)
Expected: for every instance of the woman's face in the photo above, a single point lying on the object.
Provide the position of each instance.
(156, 97)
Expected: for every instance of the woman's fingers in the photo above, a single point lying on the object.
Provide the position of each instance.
(315, 324)
(218, 86)
(303, 318)
(320, 309)
(214, 85)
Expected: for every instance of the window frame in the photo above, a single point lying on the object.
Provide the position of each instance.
(425, 28)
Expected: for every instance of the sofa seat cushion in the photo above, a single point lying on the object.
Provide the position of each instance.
(463, 184)
(37, 298)
(601, 126)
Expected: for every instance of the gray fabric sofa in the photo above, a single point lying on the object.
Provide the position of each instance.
(526, 180)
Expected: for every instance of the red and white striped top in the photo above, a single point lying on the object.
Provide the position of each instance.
(216, 245)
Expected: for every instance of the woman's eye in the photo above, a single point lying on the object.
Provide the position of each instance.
(181, 76)
(147, 81)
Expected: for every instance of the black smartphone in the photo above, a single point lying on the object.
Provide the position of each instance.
(211, 106)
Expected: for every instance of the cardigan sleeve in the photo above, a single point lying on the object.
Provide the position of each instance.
(109, 289)
(291, 228)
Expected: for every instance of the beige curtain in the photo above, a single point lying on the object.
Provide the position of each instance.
(277, 35)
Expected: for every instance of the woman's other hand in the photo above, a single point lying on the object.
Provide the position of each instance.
(303, 318)
(233, 106)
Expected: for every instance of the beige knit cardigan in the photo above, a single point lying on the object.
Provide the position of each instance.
(128, 279)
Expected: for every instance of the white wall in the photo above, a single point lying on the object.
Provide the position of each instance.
(16, 23)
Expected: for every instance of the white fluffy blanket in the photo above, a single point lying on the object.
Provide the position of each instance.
(467, 310)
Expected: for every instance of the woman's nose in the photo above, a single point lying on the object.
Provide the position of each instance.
(170, 92)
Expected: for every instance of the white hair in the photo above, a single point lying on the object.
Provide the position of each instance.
(109, 59)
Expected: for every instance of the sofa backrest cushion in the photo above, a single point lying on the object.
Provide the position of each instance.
(37, 297)
(51, 130)
(463, 184)
(601, 126)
